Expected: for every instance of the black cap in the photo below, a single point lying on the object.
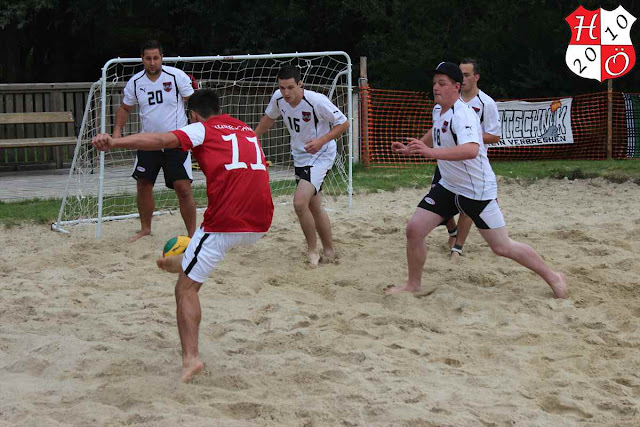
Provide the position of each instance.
(450, 69)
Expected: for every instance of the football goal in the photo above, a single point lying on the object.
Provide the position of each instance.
(100, 187)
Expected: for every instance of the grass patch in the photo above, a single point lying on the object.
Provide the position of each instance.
(35, 210)
(365, 180)
(614, 170)
(419, 176)
(375, 179)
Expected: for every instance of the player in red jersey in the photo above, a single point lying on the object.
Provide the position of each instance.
(239, 208)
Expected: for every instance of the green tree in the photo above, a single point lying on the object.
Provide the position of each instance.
(520, 45)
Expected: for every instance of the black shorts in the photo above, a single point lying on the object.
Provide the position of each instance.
(175, 163)
(485, 214)
(436, 177)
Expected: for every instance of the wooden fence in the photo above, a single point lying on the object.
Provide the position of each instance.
(39, 97)
(44, 97)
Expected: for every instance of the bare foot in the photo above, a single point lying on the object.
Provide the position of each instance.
(190, 369)
(171, 264)
(425, 292)
(455, 257)
(559, 287)
(329, 257)
(314, 258)
(391, 290)
(138, 235)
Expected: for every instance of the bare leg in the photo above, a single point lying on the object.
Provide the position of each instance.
(146, 206)
(188, 316)
(301, 201)
(419, 226)
(170, 264)
(323, 226)
(451, 224)
(502, 245)
(464, 226)
(182, 188)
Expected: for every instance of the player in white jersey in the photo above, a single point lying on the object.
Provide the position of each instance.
(313, 123)
(160, 92)
(487, 110)
(468, 185)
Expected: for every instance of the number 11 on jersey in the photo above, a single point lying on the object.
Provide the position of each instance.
(235, 154)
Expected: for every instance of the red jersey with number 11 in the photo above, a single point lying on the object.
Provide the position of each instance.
(231, 158)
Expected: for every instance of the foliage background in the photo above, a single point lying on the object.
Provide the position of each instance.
(520, 45)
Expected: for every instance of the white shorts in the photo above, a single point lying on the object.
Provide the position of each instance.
(486, 214)
(206, 250)
(316, 172)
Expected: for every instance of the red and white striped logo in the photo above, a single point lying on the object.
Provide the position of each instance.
(600, 47)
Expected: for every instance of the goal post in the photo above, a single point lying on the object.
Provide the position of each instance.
(100, 187)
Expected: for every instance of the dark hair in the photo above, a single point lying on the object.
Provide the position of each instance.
(476, 67)
(289, 72)
(150, 45)
(205, 102)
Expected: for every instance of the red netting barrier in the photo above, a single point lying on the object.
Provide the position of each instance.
(391, 115)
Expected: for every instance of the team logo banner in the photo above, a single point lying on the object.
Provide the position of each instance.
(600, 46)
(535, 123)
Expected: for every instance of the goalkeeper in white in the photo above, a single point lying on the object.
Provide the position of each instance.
(314, 123)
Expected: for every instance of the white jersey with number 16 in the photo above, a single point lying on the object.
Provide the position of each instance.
(310, 119)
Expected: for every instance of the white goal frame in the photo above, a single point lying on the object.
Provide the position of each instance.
(101, 86)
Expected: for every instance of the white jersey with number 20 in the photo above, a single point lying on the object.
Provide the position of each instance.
(160, 102)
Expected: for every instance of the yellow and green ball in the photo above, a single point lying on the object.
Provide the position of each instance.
(175, 246)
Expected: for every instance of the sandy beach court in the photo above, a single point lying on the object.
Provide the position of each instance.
(88, 334)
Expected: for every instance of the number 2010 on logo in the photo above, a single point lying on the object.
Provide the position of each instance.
(600, 47)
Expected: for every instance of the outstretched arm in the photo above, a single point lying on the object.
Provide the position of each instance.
(404, 149)
(399, 148)
(265, 124)
(139, 141)
(460, 152)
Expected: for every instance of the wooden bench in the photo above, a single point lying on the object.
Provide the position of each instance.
(64, 117)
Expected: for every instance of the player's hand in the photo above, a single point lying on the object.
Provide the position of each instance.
(313, 146)
(416, 146)
(400, 148)
(102, 141)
